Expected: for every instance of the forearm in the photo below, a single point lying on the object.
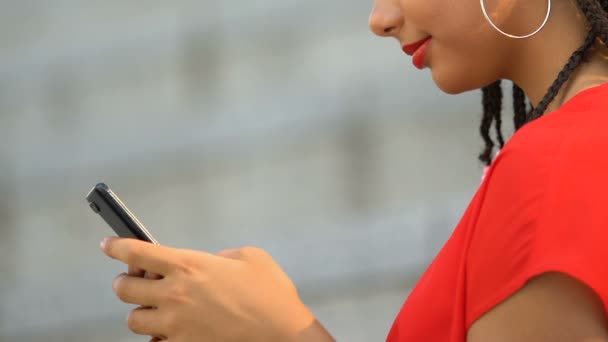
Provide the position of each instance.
(301, 325)
(315, 333)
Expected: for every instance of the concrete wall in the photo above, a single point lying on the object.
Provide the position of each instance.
(287, 126)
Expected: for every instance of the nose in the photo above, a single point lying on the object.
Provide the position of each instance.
(386, 19)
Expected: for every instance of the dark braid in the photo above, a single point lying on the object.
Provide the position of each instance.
(574, 61)
(498, 123)
(492, 106)
(595, 11)
(519, 107)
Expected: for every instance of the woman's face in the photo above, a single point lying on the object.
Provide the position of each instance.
(464, 51)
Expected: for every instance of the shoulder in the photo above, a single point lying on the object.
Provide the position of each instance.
(562, 153)
(580, 125)
(544, 208)
(550, 307)
(571, 140)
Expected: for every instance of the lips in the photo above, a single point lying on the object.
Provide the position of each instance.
(418, 51)
(409, 49)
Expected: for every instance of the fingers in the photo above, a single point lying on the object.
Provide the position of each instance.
(243, 253)
(157, 339)
(136, 271)
(139, 273)
(144, 321)
(136, 290)
(153, 276)
(141, 255)
(234, 253)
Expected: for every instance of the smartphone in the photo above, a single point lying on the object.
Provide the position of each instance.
(103, 201)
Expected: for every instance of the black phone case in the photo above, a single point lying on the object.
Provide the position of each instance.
(116, 214)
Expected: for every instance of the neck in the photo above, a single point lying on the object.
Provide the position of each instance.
(539, 59)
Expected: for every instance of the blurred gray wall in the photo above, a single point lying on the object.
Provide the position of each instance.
(286, 125)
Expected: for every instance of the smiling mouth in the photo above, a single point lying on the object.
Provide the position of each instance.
(410, 49)
(418, 51)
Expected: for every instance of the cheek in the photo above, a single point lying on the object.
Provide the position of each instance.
(466, 53)
(457, 68)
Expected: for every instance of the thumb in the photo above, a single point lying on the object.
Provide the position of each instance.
(233, 253)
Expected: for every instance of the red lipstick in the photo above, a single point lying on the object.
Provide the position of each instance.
(418, 51)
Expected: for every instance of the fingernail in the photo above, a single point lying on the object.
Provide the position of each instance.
(104, 242)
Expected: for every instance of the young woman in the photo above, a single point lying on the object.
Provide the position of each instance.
(527, 260)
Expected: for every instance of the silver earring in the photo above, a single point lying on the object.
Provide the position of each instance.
(485, 14)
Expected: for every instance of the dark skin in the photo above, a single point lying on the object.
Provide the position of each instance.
(235, 295)
(243, 295)
(551, 307)
(594, 12)
(467, 53)
(198, 297)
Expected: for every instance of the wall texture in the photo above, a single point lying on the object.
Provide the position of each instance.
(283, 125)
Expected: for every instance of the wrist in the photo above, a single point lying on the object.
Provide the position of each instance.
(304, 327)
(315, 332)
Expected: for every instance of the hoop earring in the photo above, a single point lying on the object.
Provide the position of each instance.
(485, 14)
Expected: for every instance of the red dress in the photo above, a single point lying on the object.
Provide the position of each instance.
(542, 207)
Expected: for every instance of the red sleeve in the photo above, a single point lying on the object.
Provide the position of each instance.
(545, 209)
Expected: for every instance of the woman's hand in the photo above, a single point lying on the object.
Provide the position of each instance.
(236, 295)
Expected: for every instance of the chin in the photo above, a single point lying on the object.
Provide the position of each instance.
(454, 83)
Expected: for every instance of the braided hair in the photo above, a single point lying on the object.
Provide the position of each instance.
(596, 12)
